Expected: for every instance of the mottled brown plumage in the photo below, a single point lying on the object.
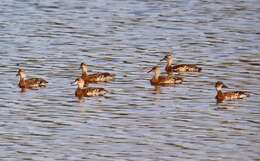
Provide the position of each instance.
(163, 80)
(30, 83)
(97, 77)
(82, 91)
(223, 96)
(179, 68)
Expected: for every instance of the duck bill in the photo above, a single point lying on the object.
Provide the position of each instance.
(163, 59)
(224, 86)
(150, 71)
(74, 83)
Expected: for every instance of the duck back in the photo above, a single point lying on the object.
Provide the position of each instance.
(186, 68)
(33, 83)
(98, 77)
(90, 92)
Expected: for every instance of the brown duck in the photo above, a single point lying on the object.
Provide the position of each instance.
(179, 68)
(82, 91)
(97, 77)
(223, 96)
(163, 80)
(30, 83)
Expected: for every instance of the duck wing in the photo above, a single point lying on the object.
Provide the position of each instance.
(186, 68)
(93, 91)
(99, 77)
(236, 95)
(167, 80)
(36, 82)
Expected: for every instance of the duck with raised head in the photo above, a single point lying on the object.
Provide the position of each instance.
(97, 77)
(82, 91)
(233, 95)
(30, 83)
(180, 67)
(163, 80)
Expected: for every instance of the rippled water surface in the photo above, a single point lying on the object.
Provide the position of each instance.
(134, 121)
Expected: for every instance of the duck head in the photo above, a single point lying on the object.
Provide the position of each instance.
(155, 69)
(168, 58)
(84, 67)
(80, 82)
(21, 73)
(219, 85)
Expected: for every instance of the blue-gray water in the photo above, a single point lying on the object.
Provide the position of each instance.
(50, 38)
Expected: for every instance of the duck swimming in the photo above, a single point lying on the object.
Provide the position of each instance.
(30, 83)
(163, 80)
(82, 91)
(223, 96)
(179, 68)
(97, 77)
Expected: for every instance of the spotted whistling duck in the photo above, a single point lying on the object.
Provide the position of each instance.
(179, 68)
(163, 80)
(82, 91)
(30, 83)
(222, 96)
(94, 78)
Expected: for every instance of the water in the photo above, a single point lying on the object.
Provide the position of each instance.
(133, 122)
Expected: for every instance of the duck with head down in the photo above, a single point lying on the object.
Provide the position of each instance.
(179, 68)
(97, 77)
(163, 80)
(30, 83)
(82, 91)
(222, 96)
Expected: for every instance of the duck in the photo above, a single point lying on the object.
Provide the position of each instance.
(233, 95)
(180, 67)
(83, 91)
(30, 83)
(95, 78)
(163, 80)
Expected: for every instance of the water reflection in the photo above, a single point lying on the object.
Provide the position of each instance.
(157, 89)
(222, 106)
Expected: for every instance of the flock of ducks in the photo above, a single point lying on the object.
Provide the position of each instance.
(157, 80)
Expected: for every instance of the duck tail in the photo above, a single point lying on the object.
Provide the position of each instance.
(244, 94)
(102, 91)
(179, 80)
(43, 83)
(247, 94)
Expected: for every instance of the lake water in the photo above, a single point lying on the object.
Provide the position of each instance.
(50, 39)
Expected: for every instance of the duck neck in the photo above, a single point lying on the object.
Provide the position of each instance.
(22, 76)
(156, 75)
(84, 71)
(219, 92)
(80, 86)
(169, 62)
